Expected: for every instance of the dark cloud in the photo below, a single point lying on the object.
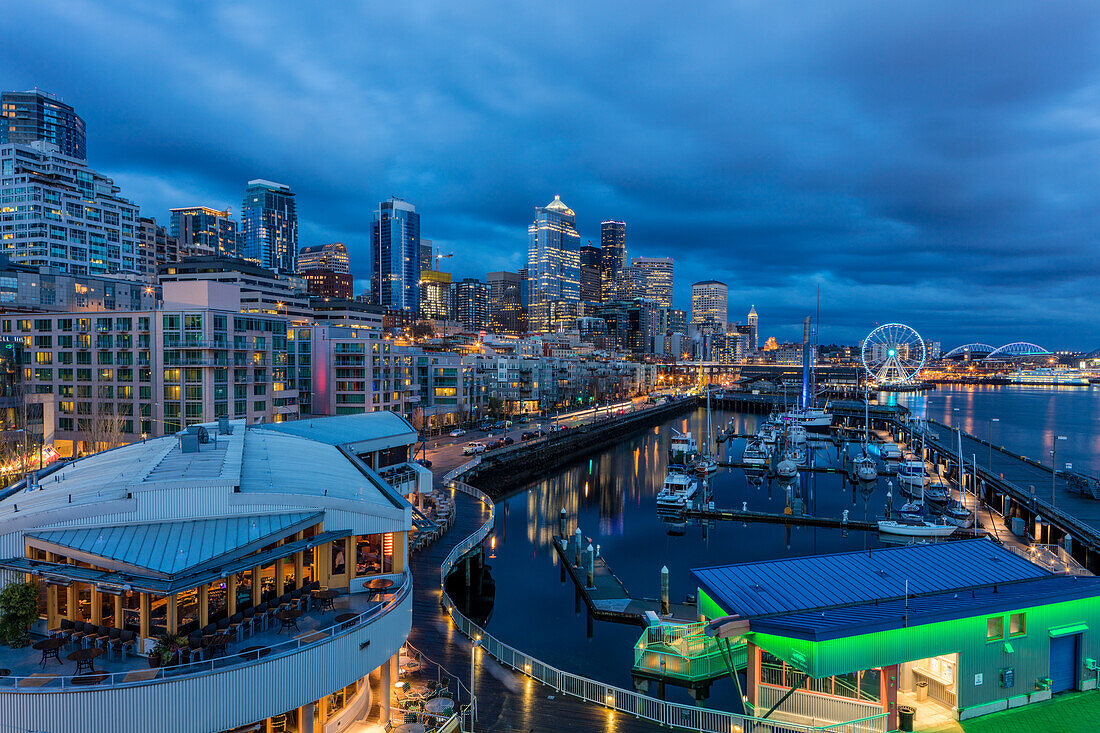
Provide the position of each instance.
(934, 163)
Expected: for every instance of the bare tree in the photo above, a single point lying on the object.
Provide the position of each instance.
(102, 432)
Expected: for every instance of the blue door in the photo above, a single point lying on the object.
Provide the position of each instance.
(1063, 663)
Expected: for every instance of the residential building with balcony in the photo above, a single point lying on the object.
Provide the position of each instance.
(48, 289)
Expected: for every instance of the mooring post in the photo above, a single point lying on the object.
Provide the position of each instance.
(561, 524)
(590, 566)
(664, 591)
(577, 545)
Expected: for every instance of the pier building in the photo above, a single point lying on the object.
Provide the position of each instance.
(955, 629)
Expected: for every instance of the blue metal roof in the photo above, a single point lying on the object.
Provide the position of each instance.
(851, 578)
(384, 428)
(870, 617)
(167, 549)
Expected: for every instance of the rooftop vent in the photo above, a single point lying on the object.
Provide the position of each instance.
(189, 443)
(224, 428)
(200, 431)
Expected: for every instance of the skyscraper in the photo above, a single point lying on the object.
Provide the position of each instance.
(708, 304)
(591, 273)
(327, 270)
(395, 241)
(505, 302)
(426, 253)
(434, 292)
(35, 115)
(753, 333)
(553, 266)
(201, 231)
(649, 278)
(471, 303)
(269, 220)
(78, 221)
(613, 257)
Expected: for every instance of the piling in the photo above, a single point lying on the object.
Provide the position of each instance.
(561, 524)
(664, 591)
(589, 566)
(577, 545)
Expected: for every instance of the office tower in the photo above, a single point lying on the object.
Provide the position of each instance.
(202, 231)
(649, 278)
(505, 302)
(672, 320)
(327, 270)
(78, 222)
(613, 257)
(395, 242)
(426, 253)
(753, 333)
(155, 247)
(471, 304)
(553, 267)
(591, 273)
(434, 291)
(269, 225)
(708, 304)
(26, 117)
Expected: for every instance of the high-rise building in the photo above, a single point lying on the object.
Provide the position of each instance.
(613, 257)
(26, 117)
(156, 246)
(649, 278)
(269, 222)
(426, 254)
(754, 335)
(708, 304)
(591, 273)
(202, 231)
(506, 312)
(471, 303)
(435, 296)
(395, 241)
(69, 216)
(553, 266)
(327, 270)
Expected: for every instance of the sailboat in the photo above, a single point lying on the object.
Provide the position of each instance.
(811, 418)
(864, 467)
(707, 463)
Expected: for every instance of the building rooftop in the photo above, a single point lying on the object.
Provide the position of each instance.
(361, 433)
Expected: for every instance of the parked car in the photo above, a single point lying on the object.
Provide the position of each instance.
(526, 435)
(499, 425)
(523, 419)
(424, 462)
(495, 444)
(508, 440)
(472, 449)
(458, 433)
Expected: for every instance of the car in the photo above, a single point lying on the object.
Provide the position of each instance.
(424, 462)
(495, 444)
(472, 449)
(523, 419)
(499, 425)
(526, 435)
(458, 433)
(508, 441)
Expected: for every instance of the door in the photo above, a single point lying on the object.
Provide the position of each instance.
(1063, 662)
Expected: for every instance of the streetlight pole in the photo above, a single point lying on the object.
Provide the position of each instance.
(991, 421)
(1053, 465)
(473, 698)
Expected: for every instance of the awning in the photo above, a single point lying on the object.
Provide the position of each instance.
(1067, 630)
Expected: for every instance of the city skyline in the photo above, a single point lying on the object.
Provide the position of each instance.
(909, 206)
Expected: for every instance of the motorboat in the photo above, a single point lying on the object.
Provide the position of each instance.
(678, 489)
(915, 528)
(958, 515)
(864, 468)
(891, 452)
(796, 434)
(796, 454)
(911, 473)
(912, 510)
(786, 469)
(705, 465)
(937, 493)
(682, 448)
(767, 433)
(756, 453)
(813, 419)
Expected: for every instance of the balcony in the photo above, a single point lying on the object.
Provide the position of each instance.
(126, 695)
(211, 344)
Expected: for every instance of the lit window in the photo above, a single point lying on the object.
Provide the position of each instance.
(1017, 624)
(994, 628)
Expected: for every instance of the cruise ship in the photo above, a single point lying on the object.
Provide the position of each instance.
(1047, 376)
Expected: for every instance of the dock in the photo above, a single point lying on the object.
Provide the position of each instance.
(807, 520)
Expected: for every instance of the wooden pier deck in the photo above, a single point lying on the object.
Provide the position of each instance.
(736, 515)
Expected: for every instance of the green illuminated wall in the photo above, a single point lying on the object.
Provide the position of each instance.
(708, 608)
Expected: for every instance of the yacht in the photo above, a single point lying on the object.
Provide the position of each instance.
(756, 453)
(767, 432)
(911, 473)
(796, 434)
(814, 419)
(915, 528)
(1045, 375)
(705, 465)
(864, 468)
(678, 489)
(682, 448)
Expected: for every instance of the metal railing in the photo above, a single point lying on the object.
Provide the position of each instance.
(141, 676)
(613, 698)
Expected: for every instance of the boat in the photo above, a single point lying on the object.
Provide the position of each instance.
(864, 468)
(1048, 376)
(767, 432)
(915, 528)
(705, 465)
(796, 454)
(911, 473)
(678, 489)
(682, 448)
(937, 493)
(891, 452)
(796, 434)
(813, 419)
(958, 515)
(912, 510)
(786, 469)
(756, 453)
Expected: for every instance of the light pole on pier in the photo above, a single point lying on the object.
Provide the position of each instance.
(1053, 465)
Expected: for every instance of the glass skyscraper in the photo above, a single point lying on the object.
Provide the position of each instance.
(269, 226)
(553, 266)
(201, 230)
(395, 243)
(613, 251)
(33, 115)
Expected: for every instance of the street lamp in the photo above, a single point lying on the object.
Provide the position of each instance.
(991, 421)
(1054, 466)
(473, 699)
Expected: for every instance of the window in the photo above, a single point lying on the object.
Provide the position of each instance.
(1017, 624)
(994, 628)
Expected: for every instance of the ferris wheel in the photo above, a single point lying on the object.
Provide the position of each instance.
(893, 353)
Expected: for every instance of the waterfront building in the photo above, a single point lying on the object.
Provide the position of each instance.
(708, 305)
(155, 247)
(612, 257)
(214, 531)
(69, 216)
(348, 370)
(395, 241)
(435, 296)
(471, 304)
(327, 270)
(553, 267)
(269, 226)
(987, 631)
(754, 334)
(426, 255)
(201, 230)
(261, 290)
(33, 115)
(48, 289)
(447, 388)
(506, 312)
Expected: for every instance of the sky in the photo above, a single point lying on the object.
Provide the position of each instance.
(932, 163)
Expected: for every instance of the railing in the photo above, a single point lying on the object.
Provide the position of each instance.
(141, 676)
(611, 697)
(1052, 557)
(683, 651)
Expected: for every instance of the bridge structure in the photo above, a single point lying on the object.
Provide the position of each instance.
(1014, 350)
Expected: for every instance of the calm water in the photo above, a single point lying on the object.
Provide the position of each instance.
(612, 498)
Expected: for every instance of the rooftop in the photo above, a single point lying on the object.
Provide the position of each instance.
(365, 432)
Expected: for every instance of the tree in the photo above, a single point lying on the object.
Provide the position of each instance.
(102, 433)
(18, 610)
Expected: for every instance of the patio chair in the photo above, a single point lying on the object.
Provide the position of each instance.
(250, 620)
(113, 636)
(127, 640)
(64, 630)
(236, 622)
